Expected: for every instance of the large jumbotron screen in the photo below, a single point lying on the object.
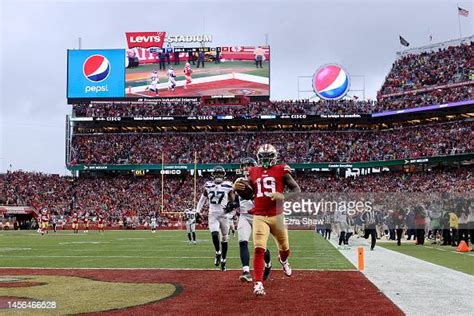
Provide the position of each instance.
(196, 72)
(119, 74)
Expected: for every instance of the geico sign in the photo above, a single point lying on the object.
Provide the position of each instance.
(170, 172)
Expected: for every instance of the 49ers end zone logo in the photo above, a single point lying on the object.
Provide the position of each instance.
(74, 295)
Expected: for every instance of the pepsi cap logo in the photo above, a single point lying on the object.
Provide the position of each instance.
(331, 82)
(96, 68)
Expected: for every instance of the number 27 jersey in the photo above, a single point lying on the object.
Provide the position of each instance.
(265, 182)
(218, 195)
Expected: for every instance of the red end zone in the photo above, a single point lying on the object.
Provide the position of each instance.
(221, 87)
(215, 292)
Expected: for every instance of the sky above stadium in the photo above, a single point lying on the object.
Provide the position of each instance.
(360, 35)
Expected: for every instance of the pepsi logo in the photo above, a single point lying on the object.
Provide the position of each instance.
(96, 68)
(331, 82)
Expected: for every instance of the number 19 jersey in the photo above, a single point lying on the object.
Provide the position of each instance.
(218, 196)
(265, 182)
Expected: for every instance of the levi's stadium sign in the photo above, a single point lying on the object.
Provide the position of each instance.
(157, 39)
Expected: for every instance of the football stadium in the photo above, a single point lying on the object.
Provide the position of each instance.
(237, 164)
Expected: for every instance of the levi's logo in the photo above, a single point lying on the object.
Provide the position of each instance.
(145, 39)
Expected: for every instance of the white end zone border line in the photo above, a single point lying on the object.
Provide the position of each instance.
(180, 83)
(166, 269)
(400, 277)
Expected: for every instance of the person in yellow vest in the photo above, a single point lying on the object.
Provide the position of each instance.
(454, 225)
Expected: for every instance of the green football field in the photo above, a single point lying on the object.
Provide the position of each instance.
(441, 255)
(139, 76)
(142, 249)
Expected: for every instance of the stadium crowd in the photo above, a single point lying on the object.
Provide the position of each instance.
(129, 202)
(430, 69)
(116, 195)
(316, 146)
(436, 96)
(254, 109)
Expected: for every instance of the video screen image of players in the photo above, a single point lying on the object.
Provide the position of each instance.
(195, 72)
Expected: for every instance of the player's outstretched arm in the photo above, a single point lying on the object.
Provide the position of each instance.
(201, 202)
(231, 196)
(291, 184)
(232, 203)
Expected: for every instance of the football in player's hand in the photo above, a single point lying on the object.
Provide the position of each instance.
(243, 189)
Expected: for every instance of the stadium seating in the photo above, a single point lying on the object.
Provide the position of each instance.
(430, 69)
(124, 196)
(277, 107)
(316, 146)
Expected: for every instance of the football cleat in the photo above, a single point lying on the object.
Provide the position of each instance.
(286, 267)
(223, 267)
(246, 277)
(266, 272)
(217, 259)
(258, 289)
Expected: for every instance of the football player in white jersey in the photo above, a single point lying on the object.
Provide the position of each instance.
(153, 224)
(218, 193)
(244, 227)
(154, 81)
(171, 78)
(190, 217)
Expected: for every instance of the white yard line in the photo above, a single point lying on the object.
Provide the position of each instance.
(417, 287)
(454, 251)
(165, 269)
